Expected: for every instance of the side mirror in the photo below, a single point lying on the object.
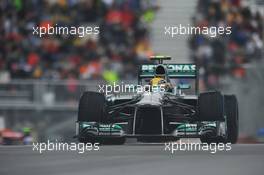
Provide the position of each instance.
(184, 86)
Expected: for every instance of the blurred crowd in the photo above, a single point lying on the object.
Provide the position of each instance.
(226, 54)
(122, 44)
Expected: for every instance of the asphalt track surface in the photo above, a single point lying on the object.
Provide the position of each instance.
(132, 159)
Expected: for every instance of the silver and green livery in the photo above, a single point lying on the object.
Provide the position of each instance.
(160, 115)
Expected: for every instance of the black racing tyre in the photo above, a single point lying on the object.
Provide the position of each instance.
(231, 112)
(92, 107)
(211, 137)
(211, 106)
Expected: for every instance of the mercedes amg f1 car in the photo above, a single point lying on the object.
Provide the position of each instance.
(152, 116)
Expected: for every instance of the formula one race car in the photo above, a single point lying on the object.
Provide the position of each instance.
(166, 105)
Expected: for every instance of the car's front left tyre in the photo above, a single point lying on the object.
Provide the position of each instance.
(231, 112)
(231, 119)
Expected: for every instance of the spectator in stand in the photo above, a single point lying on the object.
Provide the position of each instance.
(122, 40)
(225, 55)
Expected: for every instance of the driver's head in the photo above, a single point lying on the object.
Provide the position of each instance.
(160, 74)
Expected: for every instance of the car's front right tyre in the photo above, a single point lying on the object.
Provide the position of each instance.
(93, 108)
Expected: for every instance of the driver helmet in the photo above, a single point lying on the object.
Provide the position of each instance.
(160, 75)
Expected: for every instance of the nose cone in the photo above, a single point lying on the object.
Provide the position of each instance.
(152, 98)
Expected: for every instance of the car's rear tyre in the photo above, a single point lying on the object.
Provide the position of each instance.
(231, 111)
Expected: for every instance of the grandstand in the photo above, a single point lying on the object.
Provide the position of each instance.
(123, 41)
(226, 55)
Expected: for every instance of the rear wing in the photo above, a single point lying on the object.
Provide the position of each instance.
(173, 70)
(160, 58)
(177, 71)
